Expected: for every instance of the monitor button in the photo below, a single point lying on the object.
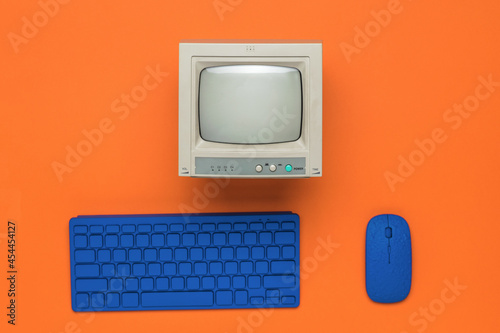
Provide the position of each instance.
(272, 167)
(288, 168)
(258, 168)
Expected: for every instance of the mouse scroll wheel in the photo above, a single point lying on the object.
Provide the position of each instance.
(388, 232)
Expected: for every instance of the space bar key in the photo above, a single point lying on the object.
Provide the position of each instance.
(178, 299)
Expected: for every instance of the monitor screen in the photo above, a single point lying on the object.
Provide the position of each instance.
(250, 104)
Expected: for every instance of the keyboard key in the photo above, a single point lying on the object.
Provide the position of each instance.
(265, 237)
(132, 284)
(227, 253)
(95, 241)
(261, 267)
(127, 240)
(231, 267)
(188, 239)
(224, 297)
(177, 299)
(154, 269)
(284, 237)
(176, 227)
(139, 269)
(256, 226)
(279, 281)
(273, 252)
(254, 282)
(215, 268)
(108, 270)
(84, 256)
(272, 225)
(212, 253)
(193, 282)
(288, 252)
(239, 282)
(134, 255)
(158, 240)
(282, 266)
(208, 227)
(200, 268)
(185, 268)
(82, 301)
(150, 254)
(272, 293)
(162, 283)
(203, 239)
(246, 267)
(177, 283)
(104, 255)
(208, 282)
(123, 270)
(80, 229)
(128, 228)
(240, 226)
(241, 297)
(234, 238)
(130, 300)
(80, 241)
(288, 299)
(173, 239)
(250, 238)
(272, 300)
(97, 300)
(87, 270)
(258, 252)
(192, 227)
(115, 284)
(196, 253)
(144, 228)
(169, 268)
(112, 229)
(181, 254)
(165, 254)
(224, 226)
(223, 282)
(160, 228)
(113, 300)
(96, 229)
(142, 240)
(256, 300)
(242, 253)
(147, 284)
(219, 238)
(119, 255)
(91, 284)
(288, 225)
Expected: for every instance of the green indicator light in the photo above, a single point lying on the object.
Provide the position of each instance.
(288, 168)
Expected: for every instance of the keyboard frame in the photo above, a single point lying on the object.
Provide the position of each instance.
(184, 219)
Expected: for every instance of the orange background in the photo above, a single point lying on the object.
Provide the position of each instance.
(395, 90)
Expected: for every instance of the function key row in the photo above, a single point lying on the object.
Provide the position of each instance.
(179, 227)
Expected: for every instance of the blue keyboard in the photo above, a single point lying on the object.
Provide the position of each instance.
(201, 261)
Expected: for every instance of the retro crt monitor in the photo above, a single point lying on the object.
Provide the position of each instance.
(250, 109)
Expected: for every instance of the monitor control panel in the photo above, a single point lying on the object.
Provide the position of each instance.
(253, 167)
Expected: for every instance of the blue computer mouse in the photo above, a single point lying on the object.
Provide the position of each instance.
(388, 259)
